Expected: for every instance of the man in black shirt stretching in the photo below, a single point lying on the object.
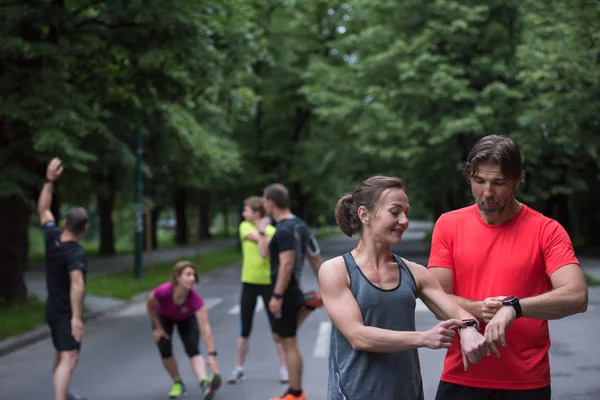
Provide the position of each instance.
(65, 283)
(292, 242)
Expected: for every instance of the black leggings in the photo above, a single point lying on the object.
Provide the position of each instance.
(189, 332)
(250, 293)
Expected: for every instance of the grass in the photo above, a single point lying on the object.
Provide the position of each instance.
(123, 245)
(327, 231)
(591, 281)
(123, 285)
(21, 318)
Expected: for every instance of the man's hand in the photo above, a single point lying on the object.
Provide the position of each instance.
(495, 330)
(490, 307)
(473, 346)
(77, 329)
(262, 223)
(275, 306)
(54, 169)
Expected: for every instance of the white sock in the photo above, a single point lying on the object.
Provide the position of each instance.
(239, 368)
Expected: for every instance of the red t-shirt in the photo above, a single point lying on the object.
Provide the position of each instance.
(514, 258)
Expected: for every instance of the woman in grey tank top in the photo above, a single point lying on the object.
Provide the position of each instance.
(370, 296)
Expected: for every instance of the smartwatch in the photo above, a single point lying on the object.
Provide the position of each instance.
(212, 353)
(261, 233)
(513, 301)
(470, 322)
(277, 296)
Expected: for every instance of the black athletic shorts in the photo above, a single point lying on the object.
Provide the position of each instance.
(250, 293)
(451, 391)
(287, 325)
(60, 330)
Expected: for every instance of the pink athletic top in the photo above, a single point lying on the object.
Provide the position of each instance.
(167, 308)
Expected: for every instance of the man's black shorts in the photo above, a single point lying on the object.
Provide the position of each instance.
(286, 326)
(60, 329)
(451, 391)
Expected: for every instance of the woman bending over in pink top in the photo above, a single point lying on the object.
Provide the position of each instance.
(178, 303)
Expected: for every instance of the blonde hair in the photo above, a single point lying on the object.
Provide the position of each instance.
(178, 269)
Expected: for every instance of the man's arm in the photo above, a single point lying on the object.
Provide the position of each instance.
(263, 246)
(286, 269)
(53, 171)
(44, 202)
(445, 279)
(569, 296)
(77, 292)
(315, 262)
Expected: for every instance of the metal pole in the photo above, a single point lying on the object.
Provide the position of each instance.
(139, 209)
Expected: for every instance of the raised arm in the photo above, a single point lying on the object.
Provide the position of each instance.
(53, 171)
(345, 314)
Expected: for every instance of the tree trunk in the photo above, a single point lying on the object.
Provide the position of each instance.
(204, 210)
(181, 227)
(14, 224)
(155, 213)
(105, 198)
(225, 212)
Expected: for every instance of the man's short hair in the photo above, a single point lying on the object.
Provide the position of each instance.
(278, 194)
(499, 150)
(76, 221)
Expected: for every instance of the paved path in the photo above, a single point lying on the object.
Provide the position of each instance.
(119, 359)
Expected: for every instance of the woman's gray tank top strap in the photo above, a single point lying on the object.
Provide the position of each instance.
(363, 375)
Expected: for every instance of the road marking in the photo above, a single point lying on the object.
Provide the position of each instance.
(260, 305)
(421, 307)
(212, 302)
(322, 344)
(138, 309)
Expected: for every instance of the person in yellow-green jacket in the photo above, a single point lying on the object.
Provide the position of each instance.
(256, 282)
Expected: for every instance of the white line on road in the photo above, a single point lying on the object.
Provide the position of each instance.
(322, 345)
(260, 305)
(421, 307)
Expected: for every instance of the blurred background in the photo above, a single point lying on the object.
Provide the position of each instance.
(168, 113)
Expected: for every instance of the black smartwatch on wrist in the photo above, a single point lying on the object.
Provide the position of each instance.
(513, 301)
(46, 180)
(212, 353)
(470, 322)
(277, 296)
(261, 233)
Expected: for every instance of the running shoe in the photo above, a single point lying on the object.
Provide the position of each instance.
(177, 390)
(209, 386)
(288, 396)
(237, 376)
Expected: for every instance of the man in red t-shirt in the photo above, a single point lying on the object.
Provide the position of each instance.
(513, 269)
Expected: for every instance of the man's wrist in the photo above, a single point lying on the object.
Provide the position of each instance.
(48, 180)
(212, 353)
(277, 296)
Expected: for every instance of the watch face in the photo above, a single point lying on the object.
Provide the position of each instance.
(509, 300)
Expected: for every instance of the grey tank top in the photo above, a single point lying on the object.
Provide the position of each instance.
(362, 375)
